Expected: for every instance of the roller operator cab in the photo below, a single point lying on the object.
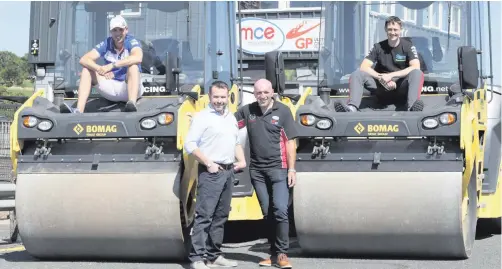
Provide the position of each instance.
(383, 181)
(113, 184)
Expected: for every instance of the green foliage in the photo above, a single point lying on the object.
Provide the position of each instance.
(14, 70)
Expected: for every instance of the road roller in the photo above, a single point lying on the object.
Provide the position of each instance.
(384, 181)
(109, 184)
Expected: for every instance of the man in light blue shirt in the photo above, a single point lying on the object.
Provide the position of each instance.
(213, 140)
(119, 79)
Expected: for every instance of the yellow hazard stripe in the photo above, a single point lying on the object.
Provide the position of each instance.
(12, 249)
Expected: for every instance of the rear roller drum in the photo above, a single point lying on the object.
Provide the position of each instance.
(385, 214)
(100, 216)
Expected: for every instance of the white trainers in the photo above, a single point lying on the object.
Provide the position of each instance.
(198, 265)
(221, 262)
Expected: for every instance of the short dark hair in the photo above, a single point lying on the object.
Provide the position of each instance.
(393, 19)
(218, 84)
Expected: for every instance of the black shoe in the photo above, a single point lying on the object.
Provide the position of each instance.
(130, 107)
(417, 106)
(342, 108)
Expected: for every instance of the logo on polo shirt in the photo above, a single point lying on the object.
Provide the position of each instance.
(400, 58)
(275, 120)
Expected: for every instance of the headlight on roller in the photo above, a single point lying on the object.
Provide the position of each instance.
(320, 123)
(323, 124)
(447, 118)
(41, 124)
(430, 123)
(307, 120)
(30, 121)
(165, 118)
(148, 124)
(45, 125)
(443, 119)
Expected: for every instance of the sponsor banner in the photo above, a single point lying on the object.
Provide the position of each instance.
(428, 88)
(260, 36)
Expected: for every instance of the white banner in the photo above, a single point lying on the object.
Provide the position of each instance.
(261, 35)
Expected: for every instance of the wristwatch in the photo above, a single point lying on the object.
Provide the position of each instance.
(292, 170)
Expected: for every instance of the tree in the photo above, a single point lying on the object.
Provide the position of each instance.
(13, 69)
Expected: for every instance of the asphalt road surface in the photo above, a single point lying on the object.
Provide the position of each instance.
(248, 251)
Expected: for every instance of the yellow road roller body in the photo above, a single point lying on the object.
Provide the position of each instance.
(102, 184)
(383, 184)
(491, 204)
(108, 184)
(386, 181)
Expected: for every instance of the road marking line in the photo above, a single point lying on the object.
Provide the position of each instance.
(12, 249)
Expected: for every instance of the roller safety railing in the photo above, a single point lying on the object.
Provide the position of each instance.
(7, 188)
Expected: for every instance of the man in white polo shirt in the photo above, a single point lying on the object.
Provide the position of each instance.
(213, 140)
(119, 79)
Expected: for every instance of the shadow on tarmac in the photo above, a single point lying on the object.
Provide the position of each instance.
(250, 235)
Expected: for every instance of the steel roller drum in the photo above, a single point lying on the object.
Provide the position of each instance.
(380, 213)
(100, 215)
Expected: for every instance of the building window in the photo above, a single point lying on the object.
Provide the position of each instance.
(305, 3)
(410, 15)
(259, 4)
(383, 7)
(432, 16)
(455, 19)
(132, 10)
(436, 17)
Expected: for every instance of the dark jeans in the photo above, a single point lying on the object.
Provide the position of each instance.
(409, 86)
(214, 194)
(273, 194)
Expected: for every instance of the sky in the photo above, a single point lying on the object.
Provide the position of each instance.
(15, 24)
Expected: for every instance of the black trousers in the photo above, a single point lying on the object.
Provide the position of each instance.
(214, 194)
(272, 190)
(408, 88)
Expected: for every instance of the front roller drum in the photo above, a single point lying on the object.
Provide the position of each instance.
(384, 214)
(100, 216)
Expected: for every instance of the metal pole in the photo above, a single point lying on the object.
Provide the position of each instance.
(7, 205)
(7, 190)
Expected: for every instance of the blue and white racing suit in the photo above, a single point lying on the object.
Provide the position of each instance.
(116, 89)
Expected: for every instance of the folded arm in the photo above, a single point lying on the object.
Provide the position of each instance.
(135, 58)
(89, 60)
(366, 66)
(414, 64)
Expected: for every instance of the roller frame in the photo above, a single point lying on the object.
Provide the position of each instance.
(73, 164)
(335, 229)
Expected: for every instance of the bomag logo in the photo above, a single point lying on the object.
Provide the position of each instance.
(78, 129)
(359, 128)
(377, 129)
(95, 129)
